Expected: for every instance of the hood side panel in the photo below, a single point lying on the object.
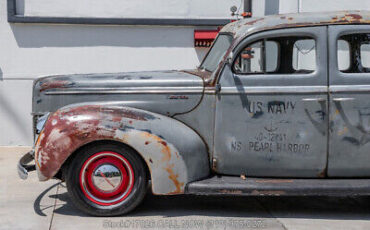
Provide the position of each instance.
(165, 92)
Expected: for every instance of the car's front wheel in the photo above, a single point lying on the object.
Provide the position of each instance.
(106, 179)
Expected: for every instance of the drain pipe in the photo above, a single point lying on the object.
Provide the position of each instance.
(247, 9)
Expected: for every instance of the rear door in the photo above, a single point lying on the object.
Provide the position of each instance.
(271, 112)
(349, 73)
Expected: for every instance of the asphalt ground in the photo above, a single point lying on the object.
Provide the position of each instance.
(31, 204)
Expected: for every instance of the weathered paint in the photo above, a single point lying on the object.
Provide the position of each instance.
(231, 185)
(54, 85)
(268, 125)
(267, 193)
(160, 145)
(153, 91)
(172, 163)
(274, 181)
(245, 27)
(349, 106)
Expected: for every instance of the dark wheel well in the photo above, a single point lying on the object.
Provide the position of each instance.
(61, 173)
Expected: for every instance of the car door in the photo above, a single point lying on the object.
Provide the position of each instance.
(271, 111)
(349, 76)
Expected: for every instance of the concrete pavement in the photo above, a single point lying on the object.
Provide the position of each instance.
(45, 205)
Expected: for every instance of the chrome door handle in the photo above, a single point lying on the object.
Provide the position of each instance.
(314, 99)
(344, 99)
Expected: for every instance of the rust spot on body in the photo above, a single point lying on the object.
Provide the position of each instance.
(166, 151)
(322, 174)
(117, 119)
(85, 124)
(54, 85)
(250, 23)
(354, 16)
(347, 18)
(174, 178)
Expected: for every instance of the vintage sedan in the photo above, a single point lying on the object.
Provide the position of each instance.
(279, 106)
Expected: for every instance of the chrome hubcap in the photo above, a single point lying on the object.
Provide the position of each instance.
(107, 178)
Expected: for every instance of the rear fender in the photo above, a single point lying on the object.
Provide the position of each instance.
(174, 153)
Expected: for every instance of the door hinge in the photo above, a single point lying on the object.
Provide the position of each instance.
(214, 164)
(218, 88)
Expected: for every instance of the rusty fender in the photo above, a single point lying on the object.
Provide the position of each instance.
(174, 153)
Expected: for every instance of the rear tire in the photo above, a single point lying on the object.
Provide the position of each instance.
(106, 179)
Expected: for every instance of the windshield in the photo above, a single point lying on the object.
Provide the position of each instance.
(217, 52)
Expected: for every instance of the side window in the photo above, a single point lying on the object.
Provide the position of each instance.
(354, 53)
(282, 55)
(304, 55)
(365, 55)
(344, 59)
(259, 57)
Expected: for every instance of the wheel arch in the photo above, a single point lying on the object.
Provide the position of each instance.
(65, 164)
(174, 154)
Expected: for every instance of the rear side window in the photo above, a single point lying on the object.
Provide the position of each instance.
(280, 55)
(354, 53)
(365, 55)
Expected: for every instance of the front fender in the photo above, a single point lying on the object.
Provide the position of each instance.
(174, 153)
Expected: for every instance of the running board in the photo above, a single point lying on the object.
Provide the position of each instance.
(228, 185)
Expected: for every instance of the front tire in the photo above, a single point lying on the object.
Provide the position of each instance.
(106, 179)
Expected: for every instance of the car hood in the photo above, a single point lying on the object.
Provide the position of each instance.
(144, 90)
(117, 81)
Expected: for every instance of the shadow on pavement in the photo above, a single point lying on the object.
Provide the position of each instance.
(37, 203)
(341, 208)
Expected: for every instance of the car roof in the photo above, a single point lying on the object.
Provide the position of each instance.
(244, 27)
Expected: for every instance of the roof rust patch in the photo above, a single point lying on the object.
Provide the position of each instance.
(254, 21)
(245, 27)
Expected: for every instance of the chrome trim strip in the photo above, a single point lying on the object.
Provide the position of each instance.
(131, 90)
(38, 113)
(275, 90)
(349, 88)
(210, 90)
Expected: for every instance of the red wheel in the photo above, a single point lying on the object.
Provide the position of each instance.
(107, 178)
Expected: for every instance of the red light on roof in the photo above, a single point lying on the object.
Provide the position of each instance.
(204, 38)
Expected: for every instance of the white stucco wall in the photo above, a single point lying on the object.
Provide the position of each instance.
(128, 8)
(29, 51)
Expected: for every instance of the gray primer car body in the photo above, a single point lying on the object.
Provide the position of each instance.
(202, 123)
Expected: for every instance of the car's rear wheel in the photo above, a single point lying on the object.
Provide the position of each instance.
(106, 179)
